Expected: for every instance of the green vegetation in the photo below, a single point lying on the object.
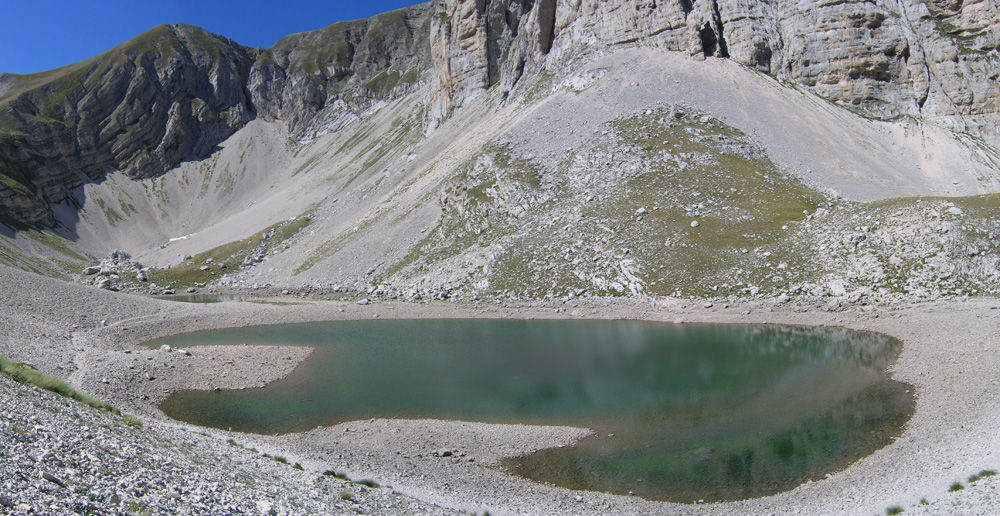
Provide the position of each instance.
(11, 257)
(132, 422)
(384, 82)
(894, 510)
(945, 27)
(109, 212)
(681, 169)
(314, 51)
(227, 257)
(335, 474)
(469, 193)
(367, 483)
(957, 486)
(24, 374)
(981, 475)
(12, 184)
(55, 242)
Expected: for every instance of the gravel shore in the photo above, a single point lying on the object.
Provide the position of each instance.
(951, 356)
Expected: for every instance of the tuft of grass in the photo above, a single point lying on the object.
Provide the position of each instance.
(368, 483)
(335, 474)
(982, 474)
(279, 458)
(132, 422)
(298, 466)
(894, 510)
(957, 486)
(23, 374)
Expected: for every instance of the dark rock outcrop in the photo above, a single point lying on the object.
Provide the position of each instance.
(175, 92)
(170, 94)
(316, 81)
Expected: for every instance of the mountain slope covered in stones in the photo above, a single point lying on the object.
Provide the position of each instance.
(526, 149)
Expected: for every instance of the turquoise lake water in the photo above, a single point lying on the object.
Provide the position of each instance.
(697, 412)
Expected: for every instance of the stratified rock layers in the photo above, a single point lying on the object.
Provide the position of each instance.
(930, 59)
(176, 92)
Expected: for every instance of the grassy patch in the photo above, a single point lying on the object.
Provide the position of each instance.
(706, 194)
(383, 83)
(12, 184)
(368, 483)
(231, 255)
(132, 422)
(24, 374)
(986, 473)
(113, 216)
(957, 486)
(55, 242)
(471, 216)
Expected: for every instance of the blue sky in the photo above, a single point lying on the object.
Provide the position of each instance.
(38, 35)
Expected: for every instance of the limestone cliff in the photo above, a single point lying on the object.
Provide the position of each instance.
(887, 58)
(170, 94)
(316, 81)
(176, 92)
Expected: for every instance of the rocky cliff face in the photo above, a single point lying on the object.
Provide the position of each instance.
(317, 81)
(175, 92)
(170, 94)
(886, 58)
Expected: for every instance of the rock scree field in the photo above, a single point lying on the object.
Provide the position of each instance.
(810, 164)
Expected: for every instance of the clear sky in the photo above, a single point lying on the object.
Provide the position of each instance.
(38, 35)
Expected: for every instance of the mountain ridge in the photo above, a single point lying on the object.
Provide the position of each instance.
(432, 148)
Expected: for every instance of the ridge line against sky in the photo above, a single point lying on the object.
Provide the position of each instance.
(39, 35)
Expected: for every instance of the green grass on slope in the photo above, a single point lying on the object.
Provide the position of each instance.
(616, 215)
(24, 374)
(231, 255)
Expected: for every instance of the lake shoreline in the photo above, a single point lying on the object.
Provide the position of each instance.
(951, 350)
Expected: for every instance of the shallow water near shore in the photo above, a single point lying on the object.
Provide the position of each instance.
(680, 412)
